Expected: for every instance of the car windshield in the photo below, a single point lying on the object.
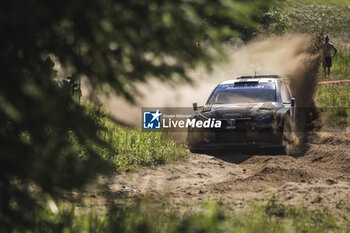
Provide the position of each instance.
(252, 92)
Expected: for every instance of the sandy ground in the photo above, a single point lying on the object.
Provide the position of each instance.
(320, 178)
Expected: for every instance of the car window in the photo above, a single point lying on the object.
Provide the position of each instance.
(243, 93)
(285, 93)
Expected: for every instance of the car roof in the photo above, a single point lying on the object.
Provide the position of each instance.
(261, 78)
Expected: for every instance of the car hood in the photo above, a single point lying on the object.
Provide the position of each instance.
(236, 111)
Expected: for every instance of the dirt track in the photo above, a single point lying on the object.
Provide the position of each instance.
(240, 178)
(243, 177)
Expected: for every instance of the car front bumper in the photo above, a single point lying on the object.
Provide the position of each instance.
(225, 138)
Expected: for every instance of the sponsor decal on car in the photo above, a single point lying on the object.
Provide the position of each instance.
(227, 87)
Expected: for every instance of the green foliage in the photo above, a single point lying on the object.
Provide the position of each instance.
(131, 147)
(335, 98)
(149, 217)
(41, 156)
(328, 19)
(47, 141)
(317, 199)
(276, 21)
(319, 2)
(302, 219)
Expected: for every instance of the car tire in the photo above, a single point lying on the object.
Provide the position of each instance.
(192, 142)
(291, 143)
(288, 142)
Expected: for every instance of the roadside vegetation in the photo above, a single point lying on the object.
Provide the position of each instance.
(51, 145)
(146, 216)
(334, 99)
(331, 18)
(130, 147)
(318, 2)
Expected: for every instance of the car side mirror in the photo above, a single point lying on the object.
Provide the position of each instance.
(292, 102)
(196, 107)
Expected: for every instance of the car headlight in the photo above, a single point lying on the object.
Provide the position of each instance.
(265, 117)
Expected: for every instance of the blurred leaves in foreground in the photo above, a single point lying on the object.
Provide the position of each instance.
(48, 141)
(147, 216)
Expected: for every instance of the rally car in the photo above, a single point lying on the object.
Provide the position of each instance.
(255, 111)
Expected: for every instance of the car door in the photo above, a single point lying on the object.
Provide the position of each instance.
(287, 100)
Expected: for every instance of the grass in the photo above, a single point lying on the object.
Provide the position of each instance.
(330, 17)
(330, 20)
(130, 148)
(133, 148)
(318, 199)
(334, 99)
(319, 2)
(145, 216)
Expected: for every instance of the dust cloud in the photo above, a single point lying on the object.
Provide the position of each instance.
(292, 56)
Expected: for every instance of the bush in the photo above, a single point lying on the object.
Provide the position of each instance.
(131, 147)
(146, 216)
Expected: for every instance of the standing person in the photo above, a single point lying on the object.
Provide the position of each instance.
(328, 55)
